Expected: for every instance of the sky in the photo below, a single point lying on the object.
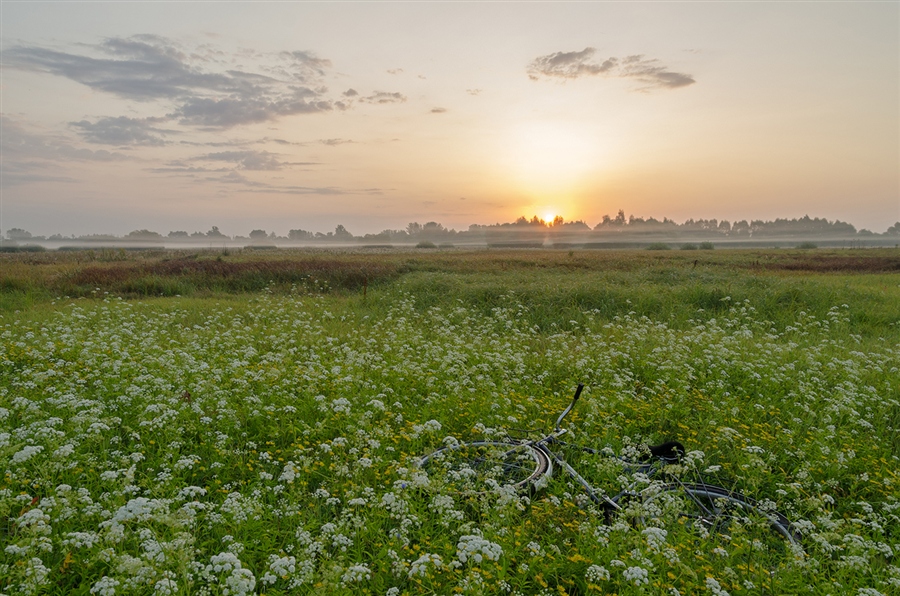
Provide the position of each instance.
(118, 116)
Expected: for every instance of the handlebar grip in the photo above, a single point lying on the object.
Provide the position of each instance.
(578, 392)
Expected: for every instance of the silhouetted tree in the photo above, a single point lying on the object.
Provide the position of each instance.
(143, 235)
(341, 233)
(300, 235)
(18, 234)
(258, 235)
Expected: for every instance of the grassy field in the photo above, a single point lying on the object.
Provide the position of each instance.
(209, 423)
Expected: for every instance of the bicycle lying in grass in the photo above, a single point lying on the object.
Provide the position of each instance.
(714, 516)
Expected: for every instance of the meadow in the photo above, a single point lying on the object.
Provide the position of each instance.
(249, 422)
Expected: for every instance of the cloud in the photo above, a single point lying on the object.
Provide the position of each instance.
(335, 142)
(27, 172)
(18, 143)
(37, 157)
(150, 68)
(247, 160)
(350, 93)
(395, 71)
(241, 160)
(473, 91)
(122, 131)
(573, 65)
(257, 186)
(438, 110)
(382, 97)
(232, 111)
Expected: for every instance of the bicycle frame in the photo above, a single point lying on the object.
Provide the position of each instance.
(608, 503)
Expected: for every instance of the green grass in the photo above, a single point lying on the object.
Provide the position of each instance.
(154, 443)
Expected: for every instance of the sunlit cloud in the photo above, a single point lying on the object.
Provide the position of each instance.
(573, 65)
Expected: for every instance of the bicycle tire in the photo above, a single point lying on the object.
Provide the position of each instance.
(480, 466)
(732, 521)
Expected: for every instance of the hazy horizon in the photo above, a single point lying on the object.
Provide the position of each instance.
(279, 116)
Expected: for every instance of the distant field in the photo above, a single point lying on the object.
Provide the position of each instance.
(228, 423)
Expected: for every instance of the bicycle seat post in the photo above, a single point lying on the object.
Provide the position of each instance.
(571, 405)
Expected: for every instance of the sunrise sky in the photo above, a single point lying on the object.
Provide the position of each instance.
(118, 116)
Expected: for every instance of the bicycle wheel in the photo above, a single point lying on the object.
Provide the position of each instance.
(727, 523)
(481, 466)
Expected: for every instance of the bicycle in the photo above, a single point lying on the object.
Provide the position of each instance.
(711, 512)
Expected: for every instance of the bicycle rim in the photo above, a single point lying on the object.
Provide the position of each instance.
(720, 523)
(483, 466)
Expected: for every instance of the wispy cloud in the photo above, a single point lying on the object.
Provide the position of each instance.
(573, 65)
(122, 131)
(382, 97)
(438, 110)
(149, 68)
(238, 160)
(254, 160)
(335, 142)
(30, 156)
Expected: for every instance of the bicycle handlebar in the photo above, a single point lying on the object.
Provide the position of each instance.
(571, 405)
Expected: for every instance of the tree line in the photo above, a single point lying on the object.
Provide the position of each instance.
(523, 229)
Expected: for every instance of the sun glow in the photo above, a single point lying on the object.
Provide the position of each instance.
(551, 157)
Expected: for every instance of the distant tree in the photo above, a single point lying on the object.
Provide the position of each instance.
(215, 233)
(18, 234)
(894, 230)
(574, 226)
(341, 233)
(414, 228)
(740, 228)
(198, 235)
(258, 235)
(178, 234)
(300, 235)
(557, 221)
(143, 235)
(433, 226)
